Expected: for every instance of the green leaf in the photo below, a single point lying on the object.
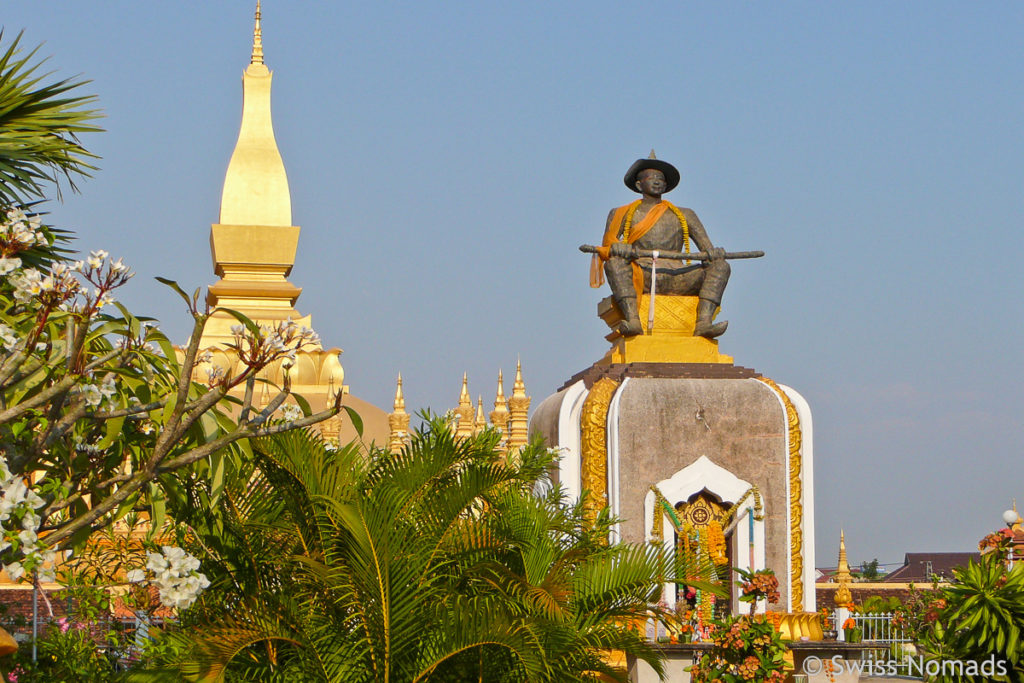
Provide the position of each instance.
(216, 477)
(357, 422)
(158, 508)
(302, 403)
(112, 430)
(174, 285)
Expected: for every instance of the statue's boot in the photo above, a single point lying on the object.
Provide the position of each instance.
(705, 326)
(631, 326)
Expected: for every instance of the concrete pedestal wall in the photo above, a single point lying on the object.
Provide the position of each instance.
(668, 426)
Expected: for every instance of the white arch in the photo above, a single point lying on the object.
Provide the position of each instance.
(706, 475)
(569, 462)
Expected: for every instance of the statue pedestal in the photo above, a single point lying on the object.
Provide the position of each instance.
(670, 341)
(699, 432)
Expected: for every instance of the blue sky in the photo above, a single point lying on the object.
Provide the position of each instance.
(446, 159)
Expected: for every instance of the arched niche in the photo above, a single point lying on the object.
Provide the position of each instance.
(747, 532)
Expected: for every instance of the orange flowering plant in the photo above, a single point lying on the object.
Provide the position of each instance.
(758, 585)
(998, 543)
(746, 648)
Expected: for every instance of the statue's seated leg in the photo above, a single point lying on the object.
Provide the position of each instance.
(707, 281)
(716, 276)
(620, 278)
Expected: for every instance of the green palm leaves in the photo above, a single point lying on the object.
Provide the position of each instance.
(39, 125)
(982, 618)
(442, 562)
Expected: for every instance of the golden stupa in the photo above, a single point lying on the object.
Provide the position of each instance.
(253, 247)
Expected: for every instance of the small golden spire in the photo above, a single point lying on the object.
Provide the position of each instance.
(464, 412)
(652, 154)
(257, 38)
(843, 597)
(499, 416)
(518, 407)
(481, 422)
(398, 420)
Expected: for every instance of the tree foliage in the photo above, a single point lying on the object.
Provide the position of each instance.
(39, 128)
(441, 562)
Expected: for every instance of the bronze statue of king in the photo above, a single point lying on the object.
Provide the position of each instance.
(652, 224)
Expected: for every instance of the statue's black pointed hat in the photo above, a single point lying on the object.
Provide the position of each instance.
(670, 171)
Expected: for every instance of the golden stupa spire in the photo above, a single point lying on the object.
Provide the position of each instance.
(254, 242)
(843, 597)
(398, 420)
(256, 185)
(481, 422)
(464, 428)
(257, 38)
(499, 416)
(518, 407)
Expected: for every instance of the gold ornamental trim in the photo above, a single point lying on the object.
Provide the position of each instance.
(594, 446)
(796, 534)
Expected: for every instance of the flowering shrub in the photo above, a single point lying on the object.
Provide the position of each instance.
(175, 573)
(978, 617)
(998, 543)
(746, 648)
(97, 404)
(758, 585)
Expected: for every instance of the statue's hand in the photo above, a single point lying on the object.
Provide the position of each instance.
(622, 250)
(716, 253)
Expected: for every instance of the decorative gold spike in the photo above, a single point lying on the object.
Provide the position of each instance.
(652, 154)
(481, 422)
(257, 38)
(500, 415)
(843, 597)
(464, 412)
(398, 420)
(519, 407)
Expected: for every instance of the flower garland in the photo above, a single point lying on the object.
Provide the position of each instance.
(716, 543)
(627, 223)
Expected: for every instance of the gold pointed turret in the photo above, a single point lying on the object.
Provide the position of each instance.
(519, 408)
(398, 420)
(499, 416)
(464, 412)
(481, 422)
(843, 597)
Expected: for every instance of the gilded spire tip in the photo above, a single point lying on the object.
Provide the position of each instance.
(399, 395)
(652, 154)
(257, 38)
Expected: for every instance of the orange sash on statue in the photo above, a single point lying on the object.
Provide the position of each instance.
(611, 235)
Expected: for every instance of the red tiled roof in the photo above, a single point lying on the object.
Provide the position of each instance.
(920, 567)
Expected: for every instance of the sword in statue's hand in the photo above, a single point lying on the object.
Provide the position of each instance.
(679, 255)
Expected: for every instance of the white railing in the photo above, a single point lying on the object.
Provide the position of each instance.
(879, 628)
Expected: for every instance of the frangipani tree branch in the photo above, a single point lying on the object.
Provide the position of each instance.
(159, 465)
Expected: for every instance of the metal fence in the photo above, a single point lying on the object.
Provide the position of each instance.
(881, 628)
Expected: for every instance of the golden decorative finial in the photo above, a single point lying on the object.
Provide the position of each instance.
(398, 420)
(519, 407)
(843, 597)
(399, 396)
(464, 428)
(481, 422)
(500, 415)
(652, 154)
(257, 38)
